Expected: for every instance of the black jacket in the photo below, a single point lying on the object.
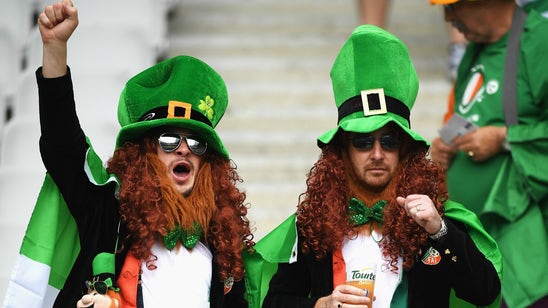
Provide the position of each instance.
(462, 267)
(95, 209)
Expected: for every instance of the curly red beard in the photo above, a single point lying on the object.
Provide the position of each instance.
(331, 185)
(150, 206)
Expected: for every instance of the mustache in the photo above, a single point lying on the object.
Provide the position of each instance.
(376, 164)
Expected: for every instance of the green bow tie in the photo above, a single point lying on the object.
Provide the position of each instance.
(188, 238)
(361, 214)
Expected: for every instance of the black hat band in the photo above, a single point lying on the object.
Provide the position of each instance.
(373, 102)
(175, 110)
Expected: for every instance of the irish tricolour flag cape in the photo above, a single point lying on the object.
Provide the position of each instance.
(50, 245)
(280, 246)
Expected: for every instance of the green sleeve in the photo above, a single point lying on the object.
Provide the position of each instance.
(485, 243)
(529, 139)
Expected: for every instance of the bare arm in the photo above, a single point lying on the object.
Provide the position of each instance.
(56, 24)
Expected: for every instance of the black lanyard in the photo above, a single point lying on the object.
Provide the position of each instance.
(140, 303)
(509, 83)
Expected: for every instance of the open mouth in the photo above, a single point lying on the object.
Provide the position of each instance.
(181, 171)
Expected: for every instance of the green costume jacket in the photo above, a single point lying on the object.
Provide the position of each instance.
(509, 192)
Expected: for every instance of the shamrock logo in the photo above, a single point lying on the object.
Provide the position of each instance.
(206, 106)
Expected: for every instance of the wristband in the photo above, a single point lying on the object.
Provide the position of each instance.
(506, 145)
(441, 233)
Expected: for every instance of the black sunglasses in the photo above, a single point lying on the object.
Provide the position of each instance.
(169, 142)
(100, 286)
(365, 142)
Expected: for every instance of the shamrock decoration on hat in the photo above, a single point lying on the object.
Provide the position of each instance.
(374, 83)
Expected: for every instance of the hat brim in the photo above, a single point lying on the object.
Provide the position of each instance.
(134, 131)
(362, 125)
(443, 1)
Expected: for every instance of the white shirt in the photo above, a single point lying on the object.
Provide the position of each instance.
(182, 277)
(363, 251)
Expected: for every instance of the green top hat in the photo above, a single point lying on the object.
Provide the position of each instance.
(182, 91)
(374, 83)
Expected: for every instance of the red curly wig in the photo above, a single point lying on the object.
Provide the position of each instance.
(150, 205)
(328, 194)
